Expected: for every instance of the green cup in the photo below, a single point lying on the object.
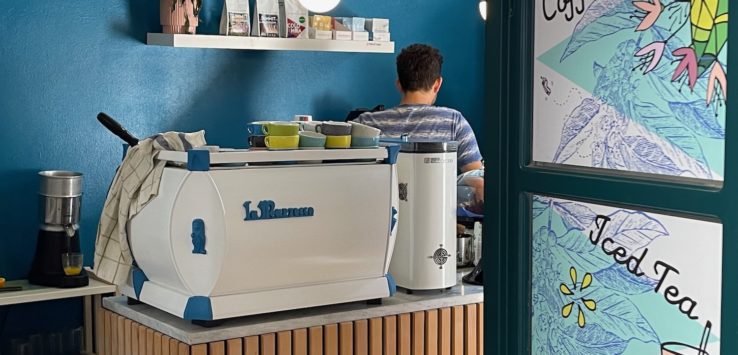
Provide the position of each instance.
(281, 129)
(311, 140)
(282, 142)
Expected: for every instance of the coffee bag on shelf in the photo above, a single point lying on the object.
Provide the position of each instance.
(235, 20)
(294, 19)
(266, 18)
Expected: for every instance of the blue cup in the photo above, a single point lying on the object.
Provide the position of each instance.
(312, 140)
(256, 128)
(364, 142)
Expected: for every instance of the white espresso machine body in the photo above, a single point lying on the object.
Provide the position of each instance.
(228, 242)
(425, 250)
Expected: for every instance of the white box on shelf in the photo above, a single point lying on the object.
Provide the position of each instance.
(360, 36)
(379, 36)
(342, 35)
(320, 34)
(377, 25)
(355, 24)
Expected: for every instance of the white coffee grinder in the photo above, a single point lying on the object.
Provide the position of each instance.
(425, 250)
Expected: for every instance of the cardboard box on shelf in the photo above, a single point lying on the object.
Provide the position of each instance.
(360, 36)
(322, 23)
(342, 35)
(379, 36)
(377, 25)
(320, 34)
(355, 24)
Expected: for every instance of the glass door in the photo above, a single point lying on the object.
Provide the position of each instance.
(610, 182)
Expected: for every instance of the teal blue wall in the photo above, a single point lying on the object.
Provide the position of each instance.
(63, 62)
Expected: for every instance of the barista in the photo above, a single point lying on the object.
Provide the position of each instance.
(419, 80)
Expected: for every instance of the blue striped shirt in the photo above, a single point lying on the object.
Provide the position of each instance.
(427, 122)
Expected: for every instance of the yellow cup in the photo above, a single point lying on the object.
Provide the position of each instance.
(338, 142)
(282, 142)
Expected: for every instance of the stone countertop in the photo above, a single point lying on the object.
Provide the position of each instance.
(189, 333)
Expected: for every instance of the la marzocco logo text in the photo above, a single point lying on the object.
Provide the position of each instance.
(267, 209)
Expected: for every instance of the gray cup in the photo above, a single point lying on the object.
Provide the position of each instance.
(334, 128)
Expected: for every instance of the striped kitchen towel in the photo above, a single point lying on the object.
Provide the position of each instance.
(135, 183)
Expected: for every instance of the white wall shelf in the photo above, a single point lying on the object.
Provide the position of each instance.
(34, 293)
(267, 44)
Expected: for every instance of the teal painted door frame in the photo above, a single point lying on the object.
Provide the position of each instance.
(511, 178)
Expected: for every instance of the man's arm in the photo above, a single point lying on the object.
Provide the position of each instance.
(468, 152)
(472, 166)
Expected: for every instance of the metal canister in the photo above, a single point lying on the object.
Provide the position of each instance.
(464, 250)
(60, 195)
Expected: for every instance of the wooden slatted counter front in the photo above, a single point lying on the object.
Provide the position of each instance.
(449, 322)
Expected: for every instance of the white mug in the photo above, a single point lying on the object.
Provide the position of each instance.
(311, 126)
(362, 130)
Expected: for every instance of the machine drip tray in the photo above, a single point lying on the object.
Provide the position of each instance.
(60, 280)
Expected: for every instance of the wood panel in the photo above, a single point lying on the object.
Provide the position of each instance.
(284, 343)
(183, 349)
(315, 335)
(361, 337)
(199, 349)
(403, 334)
(418, 333)
(113, 334)
(234, 346)
(166, 342)
(173, 347)
(375, 336)
(457, 330)
(135, 329)
(251, 345)
(431, 332)
(107, 349)
(480, 328)
(300, 342)
(346, 338)
(150, 341)
(216, 348)
(121, 334)
(268, 344)
(142, 340)
(99, 328)
(330, 339)
(390, 335)
(127, 337)
(444, 333)
(157, 343)
(470, 329)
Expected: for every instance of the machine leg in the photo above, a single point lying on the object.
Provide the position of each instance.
(132, 301)
(374, 302)
(209, 323)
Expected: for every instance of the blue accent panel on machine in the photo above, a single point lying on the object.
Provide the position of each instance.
(394, 219)
(392, 151)
(391, 284)
(138, 278)
(198, 237)
(198, 308)
(198, 160)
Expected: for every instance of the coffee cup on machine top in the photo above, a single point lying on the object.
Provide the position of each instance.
(362, 130)
(282, 142)
(311, 126)
(331, 128)
(256, 134)
(281, 129)
(312, 140)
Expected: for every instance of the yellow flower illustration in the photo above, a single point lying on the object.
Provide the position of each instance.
(589, 304)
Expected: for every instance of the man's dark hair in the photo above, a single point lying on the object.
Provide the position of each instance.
(418, 67)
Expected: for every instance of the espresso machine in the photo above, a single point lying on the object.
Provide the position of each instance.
(60, 195)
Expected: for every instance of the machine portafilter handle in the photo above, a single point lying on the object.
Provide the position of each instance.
(113, 126)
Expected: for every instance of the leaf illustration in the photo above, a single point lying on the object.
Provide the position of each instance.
(574, 123)
(647, 157)
(575, 215)
(633, 230)
(620, 316)
(577, 250)
(540, 204)
(618, 278)
(666, 126)
(602, 18)
(699, 117)
(593, 339)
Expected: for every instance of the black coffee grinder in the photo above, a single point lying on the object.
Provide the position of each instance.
(58, 259)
